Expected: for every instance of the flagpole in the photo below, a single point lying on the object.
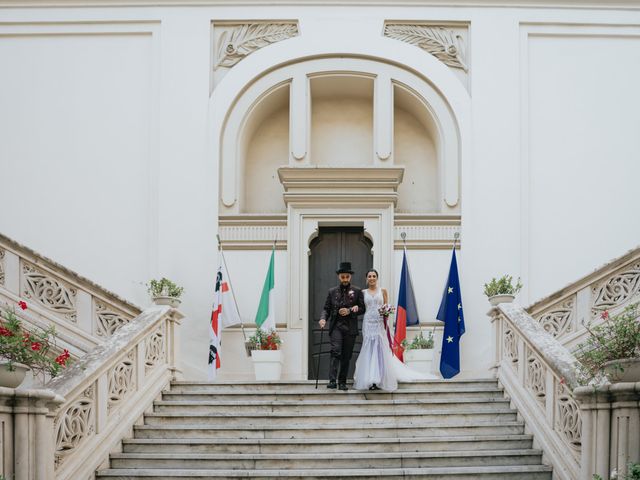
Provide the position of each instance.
(224, 261)
(456, 236)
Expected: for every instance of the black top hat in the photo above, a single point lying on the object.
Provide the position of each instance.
(345, 267)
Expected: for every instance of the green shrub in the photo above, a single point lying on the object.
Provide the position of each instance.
(502, 286)
(164, 288)
(419, 342)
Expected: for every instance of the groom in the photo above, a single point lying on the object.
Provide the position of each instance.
(343, 305)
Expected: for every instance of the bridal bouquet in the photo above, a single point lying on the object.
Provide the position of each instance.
(386, 310)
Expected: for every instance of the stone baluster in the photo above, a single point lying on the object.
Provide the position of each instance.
(611, 422)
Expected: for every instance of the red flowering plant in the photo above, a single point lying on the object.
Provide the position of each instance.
(614, 339)
(31, 348)
(262, 340)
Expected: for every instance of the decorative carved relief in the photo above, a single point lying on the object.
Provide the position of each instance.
(559, 319)
(75, 424)
(536, 377)
(441, 42)
(1, 267)
(108, 320)
(49, 292)
(617, 289)
(568, 421)
(510, 345)
(238, 41)
(121, 380)
(154, 349)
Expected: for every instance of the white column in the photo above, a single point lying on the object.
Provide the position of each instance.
(299, 119)
(383, 118)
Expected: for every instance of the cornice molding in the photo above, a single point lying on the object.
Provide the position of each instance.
(565, 4)
(340, 185)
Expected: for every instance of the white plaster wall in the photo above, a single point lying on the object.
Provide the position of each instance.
(75, 157)
(115, 183)
(342, 121)
(415, 151)
(267, 150)
(583, 153)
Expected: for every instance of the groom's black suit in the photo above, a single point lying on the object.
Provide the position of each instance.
(342, 329)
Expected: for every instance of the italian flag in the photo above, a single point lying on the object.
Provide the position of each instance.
(265, 317)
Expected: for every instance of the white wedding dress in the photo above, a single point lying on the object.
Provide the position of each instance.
(376, 364)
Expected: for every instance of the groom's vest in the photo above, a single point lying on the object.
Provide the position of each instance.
(338, 298)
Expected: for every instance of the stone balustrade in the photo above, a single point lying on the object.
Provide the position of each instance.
(84, 314)
(67, 429)
(583, 430)
(611, 287)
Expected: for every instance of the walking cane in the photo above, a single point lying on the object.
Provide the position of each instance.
(318, 362)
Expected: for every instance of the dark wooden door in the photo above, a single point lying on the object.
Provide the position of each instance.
(332, 246)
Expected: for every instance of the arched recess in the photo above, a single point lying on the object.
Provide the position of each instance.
(389, 62)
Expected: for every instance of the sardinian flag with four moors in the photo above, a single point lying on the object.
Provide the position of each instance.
(224, 313)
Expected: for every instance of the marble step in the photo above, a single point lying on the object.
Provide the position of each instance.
(329, 430)
(285, 385)
(323, 446)
(335, 460)
(524, 472)
(417, 417)
(324, 394)
(333, 405)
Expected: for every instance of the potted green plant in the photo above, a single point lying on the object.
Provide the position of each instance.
(266, 354)
(22, 350)
(165, 292)
(418, 353)
(502, 290)
(612, 349)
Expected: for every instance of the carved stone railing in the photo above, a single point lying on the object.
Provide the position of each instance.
(582, 430)
(66, 430)
(538, 373)
(83, 313)
(611, 287)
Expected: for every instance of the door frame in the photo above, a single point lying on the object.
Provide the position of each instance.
(378, 228)
(335, 196)
(358, 280)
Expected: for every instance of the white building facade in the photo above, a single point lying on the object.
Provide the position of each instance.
(133, 133)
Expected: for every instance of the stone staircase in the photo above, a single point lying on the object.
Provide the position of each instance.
(450, 430)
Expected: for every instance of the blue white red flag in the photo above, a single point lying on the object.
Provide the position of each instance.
(406, 311)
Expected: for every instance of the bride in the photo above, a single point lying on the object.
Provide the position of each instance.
(377, 367)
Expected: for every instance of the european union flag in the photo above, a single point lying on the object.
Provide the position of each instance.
(451, 314)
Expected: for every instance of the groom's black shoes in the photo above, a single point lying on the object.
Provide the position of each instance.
(331, 384)
(342, 386)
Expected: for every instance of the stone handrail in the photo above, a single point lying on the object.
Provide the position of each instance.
(83, 313)
(583, 430)
(539, 374)
(82, 414)
(611, 287)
